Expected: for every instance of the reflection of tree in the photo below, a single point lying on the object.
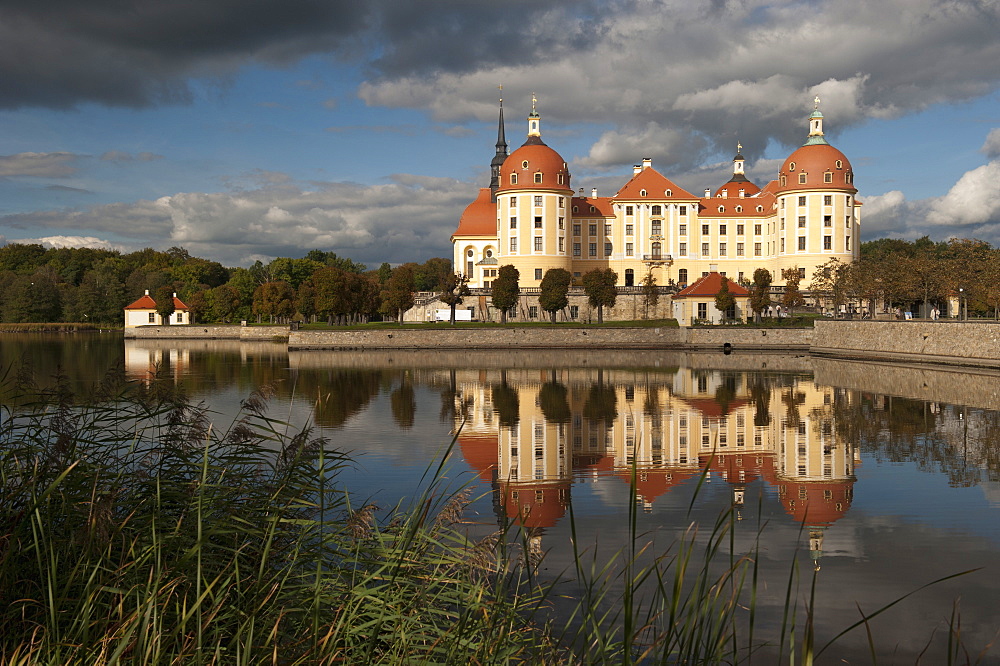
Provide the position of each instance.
(792, 399)
(552, 398)
(726, 393)
(505, 402)
(404, 404)
(340, 394)
(651, 405)
(760, 393)
(601, 404)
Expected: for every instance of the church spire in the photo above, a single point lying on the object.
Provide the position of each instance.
(501, 154)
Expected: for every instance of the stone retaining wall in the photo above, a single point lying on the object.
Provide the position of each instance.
(210, 332)
(942, 342)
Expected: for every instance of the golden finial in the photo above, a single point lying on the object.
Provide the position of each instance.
(816, 103)
(500, 88)
(533, 100)
(739, 147)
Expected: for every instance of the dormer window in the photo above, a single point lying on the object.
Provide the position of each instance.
(739, 209)
(783, 181)
(840, 164)
(513, 179)
(538, 176)
(593, 210)
(576, 209)
(760, 209)
(524, 164)
(802, 179)
(562, 178)
(791, 166)
(828, 177)
(668, 193)
(722, 209)
(642, 193)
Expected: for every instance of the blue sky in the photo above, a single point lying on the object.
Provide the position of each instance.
(248, 130)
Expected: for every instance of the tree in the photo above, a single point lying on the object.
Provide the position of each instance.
(599, 285)
(274, 299)
(760, 292)
(164, 303)
(224, 302)
(650, 294)
(725, 302)
(453, 292)
(505, 290)
(830, 280)
(305, 300)
(332, 287)
(792, 298)
(554, 290)
(397, 297)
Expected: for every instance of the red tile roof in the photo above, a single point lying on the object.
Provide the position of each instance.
(146, 302)
(656, 186)
(480, 216)
(710, 286)
(602, 207)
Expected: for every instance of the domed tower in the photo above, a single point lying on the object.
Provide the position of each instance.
(533, 203)
(739, 186)
(818, 216)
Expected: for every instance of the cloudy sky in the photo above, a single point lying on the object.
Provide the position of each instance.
(246, 129)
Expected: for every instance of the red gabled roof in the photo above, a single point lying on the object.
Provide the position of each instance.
(602, 207)
(710, 286)
(656, 186)
(146, 302)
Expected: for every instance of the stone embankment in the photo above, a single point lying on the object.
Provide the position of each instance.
(939, 342)
(208, 332)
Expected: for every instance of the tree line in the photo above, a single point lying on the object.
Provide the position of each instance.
(39, 284)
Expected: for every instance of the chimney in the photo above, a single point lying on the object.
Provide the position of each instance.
(175, 294)
(147, 292)
(708, 193)
(646, 162)
(581, 191)
(593, 192)
(636, 169)
(742, 193)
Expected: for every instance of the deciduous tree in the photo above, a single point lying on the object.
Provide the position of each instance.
(725, 302)
(599, 285)
(453, 292)
(164, 297)
(554, 291)
(505, 290)
(397, 297)
(650, 294)
(792, 298)
(760, 292)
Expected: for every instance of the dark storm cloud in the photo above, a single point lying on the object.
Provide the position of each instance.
(138, 52)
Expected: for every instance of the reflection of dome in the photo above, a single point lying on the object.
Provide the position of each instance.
(481, 452)
(711, 408)
(535, 504)
(534, 157)
(816, 503)
(651, 482)
(740, 468)
(480, 216)
(593, 462)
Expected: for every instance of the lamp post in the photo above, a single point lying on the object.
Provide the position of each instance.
(961, 303)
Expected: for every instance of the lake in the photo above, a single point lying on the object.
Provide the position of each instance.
(874, 478)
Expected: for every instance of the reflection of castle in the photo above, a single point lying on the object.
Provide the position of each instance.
(531, 432)
(143, 363)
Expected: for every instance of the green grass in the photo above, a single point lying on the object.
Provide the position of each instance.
(57, 327)
(134, 530)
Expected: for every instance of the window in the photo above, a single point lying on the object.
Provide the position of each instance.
(629, 210)
(739, 229)
(704, 249)
(783, 181)
(607, 229)
(562, 222)
(802, 276)
(802, 221)
(782, 244)
(682, 276)
(722, 249)
(532, 312)
(538, 273)
(827, 242)
(828, 220)
(840, 164)
(847, 243)
(642, 193)
(629, 229)
(469, 269)
(656, 248)
(791, 166)
(828, 177)
(562, 200)
(607, 249)
(739, 279)
(574, 311)
(655, 228)
(683, 209)
(802, 243)
(682, 249)
(756, 230)
(704, 230)
(538, 176)
(802, 178)
(576, 249)
(593, 229)
(592, 250)
(802, 201)
(562, 178)
(722, 230)
(538, 200)
(782, 224)
(513, 179)
(513, 223)
(562, 244)
(538, 221)
(576, 209)
(152, 317)
(739, 249)
(524, 164)
(656, 210)
(848, 199)
(827, 199)
(847, 221)
(538, 243)
(722, 209)
(739, 209)
(703, 314)
(760, 209)
(628, 249)
(682, 230)
(576, 229)
(756, 249)
(513, 246)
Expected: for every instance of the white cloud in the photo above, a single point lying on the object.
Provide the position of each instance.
(38, 165)
(992, 145)
(974, 199)
(68, 241)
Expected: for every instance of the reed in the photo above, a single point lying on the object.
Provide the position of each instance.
(134, 530)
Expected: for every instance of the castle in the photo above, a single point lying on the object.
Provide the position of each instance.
(531, 217)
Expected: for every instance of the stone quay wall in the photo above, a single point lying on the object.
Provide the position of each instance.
(208, 332)
(940, 342)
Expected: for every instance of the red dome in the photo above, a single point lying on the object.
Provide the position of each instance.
(480, 216)
(534, 157)
(731, 189)
(816, 160)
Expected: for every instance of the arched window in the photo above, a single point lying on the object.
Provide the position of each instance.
(642, 193)
(513, 179)
(668, 193)
(538, 176)
(739, 209)
(783, 181)
(682, 276)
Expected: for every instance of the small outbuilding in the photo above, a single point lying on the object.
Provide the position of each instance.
(696, 302)
(143, 313)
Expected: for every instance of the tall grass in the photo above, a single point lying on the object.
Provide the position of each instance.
(134, 530)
